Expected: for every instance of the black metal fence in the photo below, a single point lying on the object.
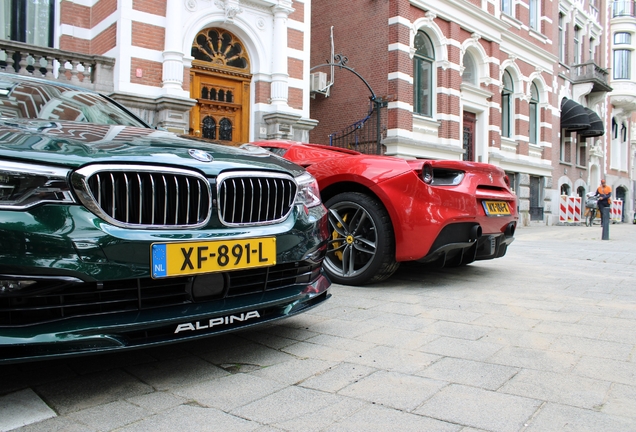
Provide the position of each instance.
(365, 135)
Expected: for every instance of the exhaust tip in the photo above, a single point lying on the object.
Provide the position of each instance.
(510, 229)
(475, 232)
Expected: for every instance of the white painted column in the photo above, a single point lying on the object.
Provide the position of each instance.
(172, 55)
(280, 74)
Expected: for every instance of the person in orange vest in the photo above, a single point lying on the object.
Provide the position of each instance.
(604, 192)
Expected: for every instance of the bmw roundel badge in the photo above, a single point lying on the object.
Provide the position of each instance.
(200, 155)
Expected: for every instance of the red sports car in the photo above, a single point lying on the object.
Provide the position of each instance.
(385, 210)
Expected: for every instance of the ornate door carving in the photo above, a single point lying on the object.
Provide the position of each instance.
(220, 82)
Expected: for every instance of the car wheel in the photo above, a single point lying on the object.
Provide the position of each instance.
(362, 244)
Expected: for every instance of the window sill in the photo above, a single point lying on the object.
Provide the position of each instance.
(565, 163)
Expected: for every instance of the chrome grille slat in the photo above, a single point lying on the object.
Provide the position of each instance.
(139, 196)
(254, 198)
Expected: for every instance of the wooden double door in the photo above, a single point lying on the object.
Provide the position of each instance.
(222, 109)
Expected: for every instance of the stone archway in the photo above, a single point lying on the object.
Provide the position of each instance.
(220, 82)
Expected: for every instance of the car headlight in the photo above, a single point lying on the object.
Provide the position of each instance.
(308, 192)
(25, 185)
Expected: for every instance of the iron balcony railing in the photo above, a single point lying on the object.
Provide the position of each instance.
(623, 8)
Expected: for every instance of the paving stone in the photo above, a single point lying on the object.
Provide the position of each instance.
(376, 418)
(461, 348)
(535, 359)
(558, 418)
(22, 408)
(457, 330)
(398, 338)
(521, 339)
(192, 418)
(110, 416)
(157, 401)
(477, 374)
(172, 373)
(229, 392)
(86, 391)
(621, 401)
(294, 371)
(321, 419)
(287, 404)
(565, 389)
(479, 408)
(337, 377)
(608, 370)
(592, 347)
(394, 359)
(392, 389)
(311, 350)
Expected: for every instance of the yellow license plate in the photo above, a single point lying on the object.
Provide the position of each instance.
(191, 258)
(496, 208)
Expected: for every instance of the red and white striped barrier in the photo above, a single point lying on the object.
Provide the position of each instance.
(570, 209)
(616, 211)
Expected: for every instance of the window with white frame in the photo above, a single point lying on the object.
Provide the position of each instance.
(535, 15)
(562, 39)
(506, 105)
(423, 75)
(533, 121)
(622, 55)
(577, 45)
(506, 7)
(565, 154)
(622, 64)
(29, 21)
(469, 75)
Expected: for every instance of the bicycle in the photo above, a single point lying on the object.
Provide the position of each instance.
(591, 210)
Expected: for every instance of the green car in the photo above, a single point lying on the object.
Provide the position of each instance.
(114, 235)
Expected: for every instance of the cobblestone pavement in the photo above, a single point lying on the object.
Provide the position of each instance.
(543, 339)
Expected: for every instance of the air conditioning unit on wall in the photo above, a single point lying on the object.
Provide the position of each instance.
(318, 81)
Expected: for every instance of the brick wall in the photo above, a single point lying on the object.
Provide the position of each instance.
(148, 36)
(151, 72)
(365, 43)
(155, 7)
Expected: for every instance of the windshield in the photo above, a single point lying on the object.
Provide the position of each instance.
(40, 100)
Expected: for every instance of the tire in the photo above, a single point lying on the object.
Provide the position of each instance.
(361, 247)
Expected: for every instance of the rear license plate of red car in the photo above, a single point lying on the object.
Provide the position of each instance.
(191, 258)
(496, 208)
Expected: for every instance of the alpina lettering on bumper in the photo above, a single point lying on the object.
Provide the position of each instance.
(230, 319)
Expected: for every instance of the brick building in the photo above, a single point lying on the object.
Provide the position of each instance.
(498, 81)
(225, 69)
(474, 80)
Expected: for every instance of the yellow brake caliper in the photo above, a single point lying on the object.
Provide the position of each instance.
(334, 235)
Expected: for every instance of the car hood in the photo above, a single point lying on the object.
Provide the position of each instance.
(75, 144)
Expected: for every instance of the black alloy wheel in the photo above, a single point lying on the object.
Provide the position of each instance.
(362, 244)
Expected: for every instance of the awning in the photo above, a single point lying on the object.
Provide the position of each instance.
(582, 120)
(596, 128)
(573, 116)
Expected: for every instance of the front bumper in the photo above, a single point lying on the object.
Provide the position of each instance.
(93, 291)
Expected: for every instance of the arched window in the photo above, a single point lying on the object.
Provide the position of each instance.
(469, 75)
(209, 128)
(213, 94)
(565, 189)
(423, 74)
(229, 97)
(225, 130)
(204, 93)
(506, 105)
(534, 114)
(221, 96)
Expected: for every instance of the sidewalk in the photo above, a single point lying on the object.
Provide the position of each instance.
(543, 339)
